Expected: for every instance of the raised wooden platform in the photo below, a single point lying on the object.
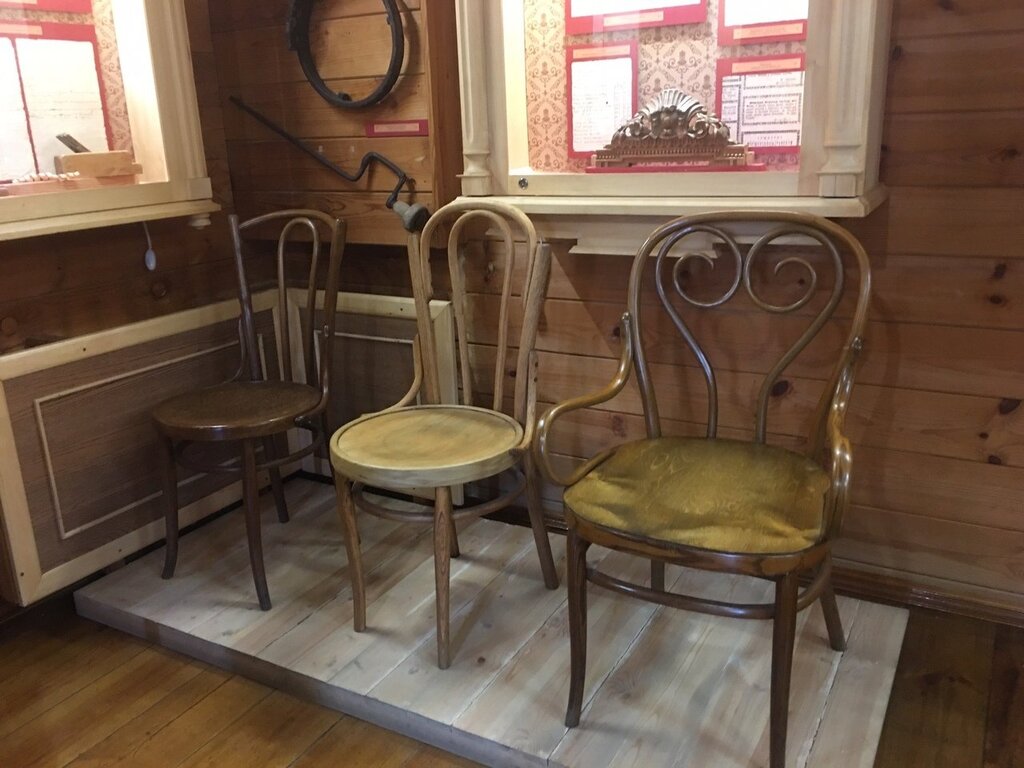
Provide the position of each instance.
(665, 688)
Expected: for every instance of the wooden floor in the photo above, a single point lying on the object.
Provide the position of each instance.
(664, 687)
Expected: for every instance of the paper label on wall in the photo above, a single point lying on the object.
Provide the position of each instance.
(764, 110)
(62, 95)
(16, 146)
(741, 13)
(602, 100)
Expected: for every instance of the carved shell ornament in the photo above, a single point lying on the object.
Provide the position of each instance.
(672, 114)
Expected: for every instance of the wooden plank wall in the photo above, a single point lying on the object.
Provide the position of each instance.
(66, 285)
(937, 419)
(351, 42)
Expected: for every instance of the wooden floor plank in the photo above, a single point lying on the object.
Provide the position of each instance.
(83, 720)
(133, 744)
(357, 743)
(295, 564)
(524, 706)
(275, 732)
(385, 565)
(404, 618)
(485, 634)
(46, 682)
(1004, 733)
(854, 707)
(30, 638)
(635, 716)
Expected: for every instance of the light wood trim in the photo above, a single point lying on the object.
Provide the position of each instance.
(847, 45)
(163, 111)
(16, 519)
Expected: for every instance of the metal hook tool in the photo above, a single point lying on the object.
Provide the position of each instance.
(413, 217)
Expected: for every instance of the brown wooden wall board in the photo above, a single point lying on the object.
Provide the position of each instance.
(926, 18)
(303, 112)
(909, 355)
(952, 73)
(945, 221)
(357, 46)
(926, 546)
(229, 15)
(973, 149)
(367, 218)
(961, 290)
(261, 166)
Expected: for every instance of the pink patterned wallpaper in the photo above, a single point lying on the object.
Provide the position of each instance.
(102, 19)
(682, 57)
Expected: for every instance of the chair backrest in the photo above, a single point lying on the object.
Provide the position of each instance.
(513, 227)
(312, 224)
(790, 241)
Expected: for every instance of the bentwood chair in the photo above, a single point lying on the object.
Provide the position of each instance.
(251, 411)
(434, 445)
(727, 505)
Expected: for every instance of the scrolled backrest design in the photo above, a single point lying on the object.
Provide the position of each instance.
(670, 250)
(293, 221)
(512, 226)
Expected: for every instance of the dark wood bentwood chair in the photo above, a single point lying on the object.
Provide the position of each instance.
(251, 410)
(713, 503)
(439, 446)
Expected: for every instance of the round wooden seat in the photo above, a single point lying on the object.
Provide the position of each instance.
(426, 446)
(235, 410)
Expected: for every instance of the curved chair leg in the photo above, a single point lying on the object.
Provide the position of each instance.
(347, 513)
(250, 493)
(834, 623)
(169, 476)
(442, 571)
(657, 575)
(783, 639)
(535, 507)
(270, 452)
(576, 576)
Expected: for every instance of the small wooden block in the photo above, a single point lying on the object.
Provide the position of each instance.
(98, 165)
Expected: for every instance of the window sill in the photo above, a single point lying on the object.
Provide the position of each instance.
(197, 210)
(617, 225)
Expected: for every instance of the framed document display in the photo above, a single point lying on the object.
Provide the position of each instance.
(741, 22)
(761, 99)
(58, 90)
(584, 17)
(602, 85)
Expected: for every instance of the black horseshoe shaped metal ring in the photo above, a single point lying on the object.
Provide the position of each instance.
(299, 17)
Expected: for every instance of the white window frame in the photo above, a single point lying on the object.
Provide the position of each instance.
(847, 55)
(163, 112)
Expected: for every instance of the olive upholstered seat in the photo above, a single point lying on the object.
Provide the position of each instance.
(721, 495)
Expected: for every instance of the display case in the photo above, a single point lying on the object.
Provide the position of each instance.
(647, 108)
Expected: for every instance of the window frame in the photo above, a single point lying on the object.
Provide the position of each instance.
(163, 112)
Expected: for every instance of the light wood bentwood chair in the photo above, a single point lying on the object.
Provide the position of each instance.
(741, 507)
(251, 410)
(439, 446)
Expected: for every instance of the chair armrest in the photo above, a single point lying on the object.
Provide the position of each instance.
(586, 401)
(838, 450)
